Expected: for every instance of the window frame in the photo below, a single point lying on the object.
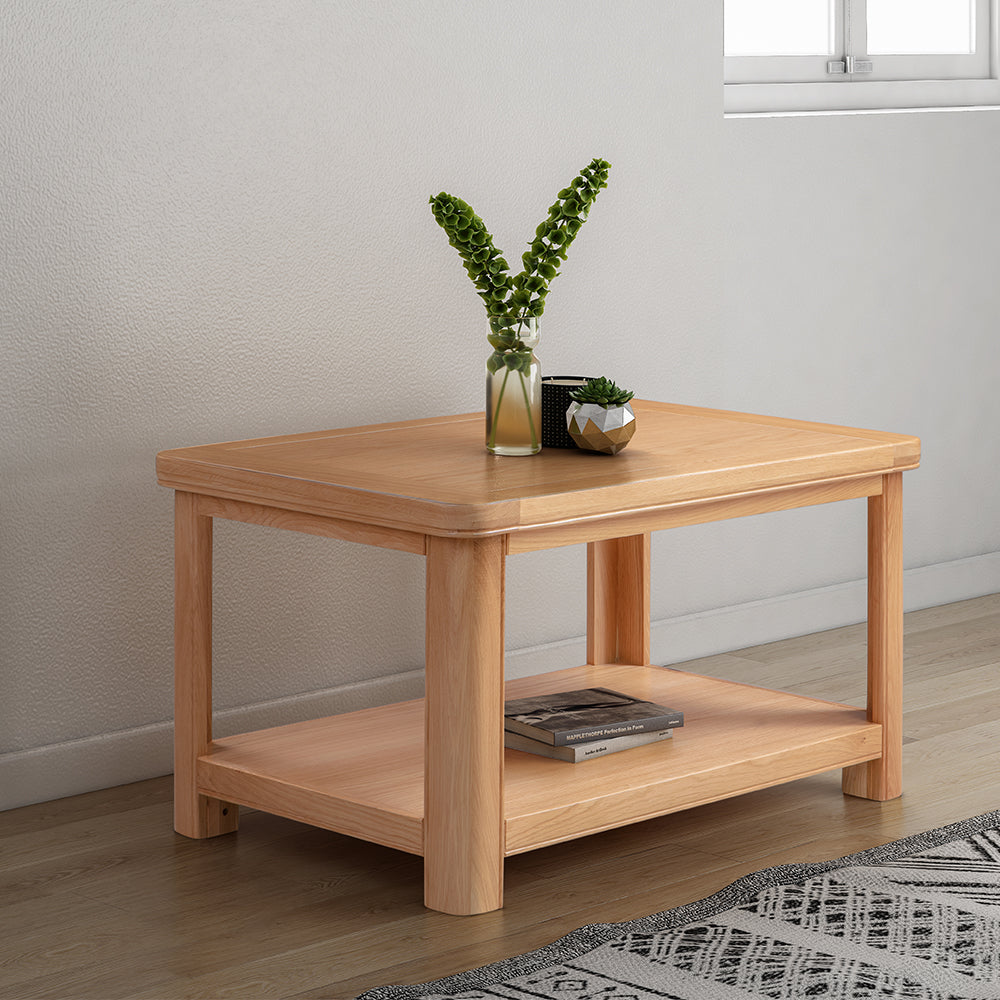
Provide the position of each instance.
(801, 84)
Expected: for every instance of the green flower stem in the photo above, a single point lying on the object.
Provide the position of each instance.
(527, 406)
(524, 392)
(518, 348)
(496, 412)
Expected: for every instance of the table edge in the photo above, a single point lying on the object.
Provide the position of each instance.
(177, 470)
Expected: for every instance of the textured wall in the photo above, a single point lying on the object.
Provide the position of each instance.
(215, 225)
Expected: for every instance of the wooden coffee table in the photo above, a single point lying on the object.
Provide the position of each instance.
(431, 776)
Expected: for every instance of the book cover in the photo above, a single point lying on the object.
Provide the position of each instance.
(593, 713)
(577, 752)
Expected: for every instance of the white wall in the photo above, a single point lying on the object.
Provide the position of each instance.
(215, 225)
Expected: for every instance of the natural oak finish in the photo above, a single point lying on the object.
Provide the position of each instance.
(883, 778)
(463, 738)
(736, 738)
(618, 584)
(434, 476)
(432, 777)
(311, 771)
(101, 900)
(195, 815)
(683, 514)
(310, 524)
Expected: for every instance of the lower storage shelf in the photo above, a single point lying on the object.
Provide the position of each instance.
(362, 773)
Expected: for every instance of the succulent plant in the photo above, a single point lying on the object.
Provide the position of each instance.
(601, 391)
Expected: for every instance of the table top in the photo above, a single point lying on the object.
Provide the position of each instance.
(435, 475)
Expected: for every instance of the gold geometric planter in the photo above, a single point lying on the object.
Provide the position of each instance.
(605, 429)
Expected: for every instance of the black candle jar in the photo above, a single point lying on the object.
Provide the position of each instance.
(555, 403)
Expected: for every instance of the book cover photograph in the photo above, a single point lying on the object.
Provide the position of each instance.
(569, 717)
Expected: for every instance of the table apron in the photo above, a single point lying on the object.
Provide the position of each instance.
(530, 539)
(314, 524)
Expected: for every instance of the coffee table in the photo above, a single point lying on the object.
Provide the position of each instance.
(432, 776)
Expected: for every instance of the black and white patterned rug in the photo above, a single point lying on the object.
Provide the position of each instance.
(918, 918)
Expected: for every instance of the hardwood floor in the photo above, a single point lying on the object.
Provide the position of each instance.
(99, 899)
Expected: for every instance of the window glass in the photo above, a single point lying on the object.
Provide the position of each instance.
(905, 27)
(780, 27)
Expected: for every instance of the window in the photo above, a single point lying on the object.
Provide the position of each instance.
(828, 55)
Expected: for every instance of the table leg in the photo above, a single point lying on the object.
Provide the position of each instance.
(883, 779)
(194, 815)
(618, 571)
(463, 780)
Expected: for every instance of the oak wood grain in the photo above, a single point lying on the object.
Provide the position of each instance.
(100, 900)
(618, 590)
(682, 514)
(433, 476)
(311, 524)
(195, 815)
(883, 779)
(736, 738)
(463, 778)
(419, 486)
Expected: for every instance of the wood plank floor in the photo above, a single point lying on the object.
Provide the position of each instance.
(99, 899)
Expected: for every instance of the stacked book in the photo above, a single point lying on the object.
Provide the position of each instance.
(578, 725)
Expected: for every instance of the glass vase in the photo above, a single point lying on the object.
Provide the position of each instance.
(513, 387)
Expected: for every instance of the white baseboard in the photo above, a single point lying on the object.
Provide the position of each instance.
(721, 630)
(76, 766)
(51, 772)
